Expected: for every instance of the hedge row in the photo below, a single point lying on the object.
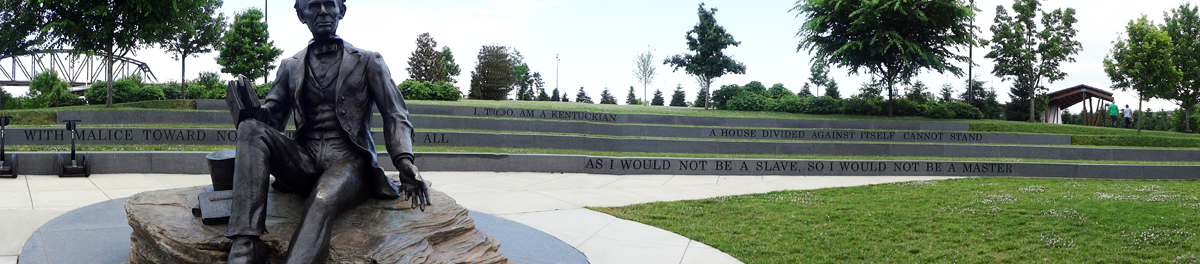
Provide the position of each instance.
(750, 101)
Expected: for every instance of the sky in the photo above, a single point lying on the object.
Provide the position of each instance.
(597, 41)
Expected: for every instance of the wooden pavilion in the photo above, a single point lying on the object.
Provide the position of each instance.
(1092, 98)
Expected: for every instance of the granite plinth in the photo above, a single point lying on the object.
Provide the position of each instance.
(377, 231)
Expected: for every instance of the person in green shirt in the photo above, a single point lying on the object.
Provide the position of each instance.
(1113, 111)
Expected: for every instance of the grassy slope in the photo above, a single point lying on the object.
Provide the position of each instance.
(976, 220)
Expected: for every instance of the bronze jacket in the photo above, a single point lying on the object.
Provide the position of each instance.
(363, 81)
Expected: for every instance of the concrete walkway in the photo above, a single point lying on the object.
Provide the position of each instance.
(552, 203)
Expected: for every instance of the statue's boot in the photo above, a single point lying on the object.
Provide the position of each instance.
(247, 250)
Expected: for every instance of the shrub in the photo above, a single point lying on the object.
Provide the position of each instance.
(748, 101)
(125, 90)
(823, 105)
(791, 104)
(1177, 124)
(863, 106)
(171, 90)
(905, 107)
(722, 96)
(49, 91)
(964, 111)
(441, 91)
(939, 111)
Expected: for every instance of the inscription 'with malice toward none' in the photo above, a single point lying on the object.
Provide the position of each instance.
(844, 135)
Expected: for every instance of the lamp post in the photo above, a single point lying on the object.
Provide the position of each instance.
(556, 62)
(971, 62)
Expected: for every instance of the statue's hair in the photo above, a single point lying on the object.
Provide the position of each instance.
(341, 5)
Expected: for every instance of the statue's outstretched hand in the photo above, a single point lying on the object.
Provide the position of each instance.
(412, 187)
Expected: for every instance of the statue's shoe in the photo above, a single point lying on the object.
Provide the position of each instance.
(247, 250)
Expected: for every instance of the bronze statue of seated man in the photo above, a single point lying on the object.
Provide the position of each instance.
(328, 89)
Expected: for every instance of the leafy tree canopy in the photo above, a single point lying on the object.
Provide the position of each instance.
(1141, 61)
(707, 40)
(493, 76)
(892, 39)
(1025, 54)
(248, 49)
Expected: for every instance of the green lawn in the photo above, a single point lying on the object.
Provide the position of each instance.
(974, 220)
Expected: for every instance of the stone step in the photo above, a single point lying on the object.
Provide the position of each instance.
(38, 163)
(186, 136)
(599, 117)
(216, 136)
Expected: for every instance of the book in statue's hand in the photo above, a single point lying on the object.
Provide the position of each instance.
(242, 99)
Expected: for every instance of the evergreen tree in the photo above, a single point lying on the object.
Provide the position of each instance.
(678, 98)
(631, 98)
(607, 97)
(831, 89)
(540, 87)
(918, 93)
(947, 94)
(565, 98)
(658, 98)
(492, 78)
(425, 64)
(554, 96)
(582, 97)
(805, 91)
(247, 48)
(701, 99)
(451, 69)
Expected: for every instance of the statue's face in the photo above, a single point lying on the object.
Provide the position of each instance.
(321, 16)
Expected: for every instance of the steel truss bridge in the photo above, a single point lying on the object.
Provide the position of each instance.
(77, 68)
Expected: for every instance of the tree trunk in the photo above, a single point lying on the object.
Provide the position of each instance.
(707, 93)
(1142, 115)
(183, 76)
(1032, 105)
(1187, 115)
(891, 103)
(108, 101)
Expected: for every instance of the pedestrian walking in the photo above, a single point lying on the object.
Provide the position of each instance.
(1128, 117)
(1113, 111)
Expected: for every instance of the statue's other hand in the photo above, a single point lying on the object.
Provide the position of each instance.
(412, 187)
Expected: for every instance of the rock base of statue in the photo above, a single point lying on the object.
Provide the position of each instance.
(376, 231)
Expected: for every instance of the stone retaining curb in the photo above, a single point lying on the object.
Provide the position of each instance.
(41, 163)
(559, 115)
(202, 136)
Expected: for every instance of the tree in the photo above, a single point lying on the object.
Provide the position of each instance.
(523, 78)
(493, 76)
(678, 98)
(982, 98)
(1183, 26)
(777, 91)
(702, 96)
(607, 97)
(947, 94)
(582, 97)
(108, 28)
(452, 69)
(540, 86)
(46, 90)
(565, 98)
(707, 40)
(199, 34)
(658, 98)
(426, 62)
(805, 91)
(891, 39)
(918, 93)
(554, 96)
(247, 48)
(645, 71)
(831, 90)
(1142, 61)
(870, 89)
(20, 31)
(1026, 55)
(631, 98)
(819, 75)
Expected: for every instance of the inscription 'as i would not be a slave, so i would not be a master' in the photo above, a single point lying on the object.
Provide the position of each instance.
(783, 167)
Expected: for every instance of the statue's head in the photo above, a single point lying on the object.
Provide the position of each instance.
(321, 16)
